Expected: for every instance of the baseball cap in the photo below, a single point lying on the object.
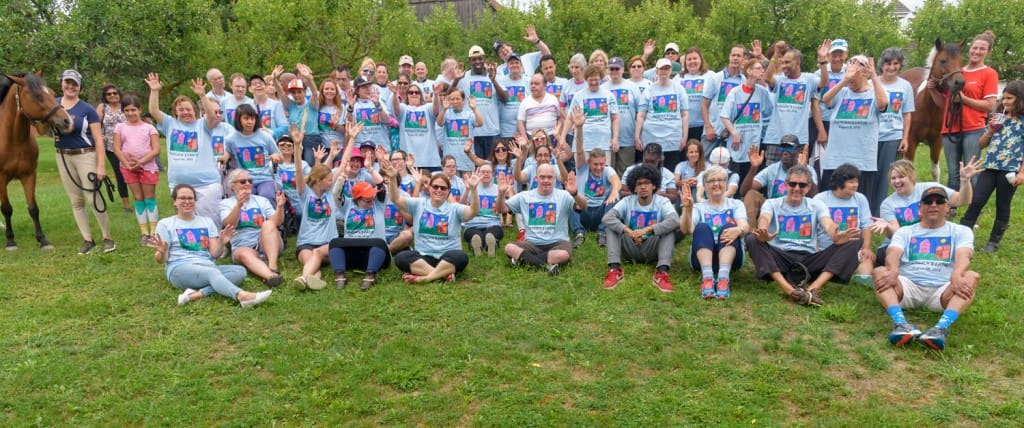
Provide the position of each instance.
(296, 83)
(70, 74)
(663, 62)
(720, 156)
(672, 47)
(360, 81)
(363, 189)
(789, 140)
(515, 56)
(615, 62)
(476, 51)
(257, 77)
(405, 60)
(676, 67)
(367, 145)
(935, 191)
(839, 45)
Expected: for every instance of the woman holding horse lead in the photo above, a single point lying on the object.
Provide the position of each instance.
(894, 122)
(978, 98)
(78, 158)
(111, 115)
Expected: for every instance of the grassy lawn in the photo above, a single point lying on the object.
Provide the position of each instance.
(98, 340)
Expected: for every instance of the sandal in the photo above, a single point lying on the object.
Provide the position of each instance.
(368, 282)
(340, 281)
(274, 281)
(800, 296)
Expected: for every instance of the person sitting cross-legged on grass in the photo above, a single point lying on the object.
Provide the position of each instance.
(363, 246)
(188, 244)
(546, 211)
(258, 243)
(642, 226)
(717, 225)
(926, 265)
(785, 238)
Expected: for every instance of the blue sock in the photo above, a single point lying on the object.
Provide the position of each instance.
(948, 316)
(723, 271)
(896, 312)
(707, 272)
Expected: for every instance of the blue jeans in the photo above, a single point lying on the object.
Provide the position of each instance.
(590, 217)
(482, 145)
(208, 279)
(703, 237)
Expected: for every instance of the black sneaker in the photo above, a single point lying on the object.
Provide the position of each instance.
(109, 246)
(552, 269)
(87, 246)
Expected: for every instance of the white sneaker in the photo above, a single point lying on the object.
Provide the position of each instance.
(260, 298)
(183, 297)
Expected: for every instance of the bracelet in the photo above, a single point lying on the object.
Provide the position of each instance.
(822, 62)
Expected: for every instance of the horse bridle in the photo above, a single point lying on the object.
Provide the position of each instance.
(46, 118)
(941, 81)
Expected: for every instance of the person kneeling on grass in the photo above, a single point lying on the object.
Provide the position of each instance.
(926, 265)
(785, 238)
(546, 211)
(188, 244)
(257, 243)
(717, 225)
(437, 228)
(363, 246)
(484, 231)
(642, 225)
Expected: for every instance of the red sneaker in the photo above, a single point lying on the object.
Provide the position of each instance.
(707, 289)
(522, 235)
(613, 278)
(662, 281)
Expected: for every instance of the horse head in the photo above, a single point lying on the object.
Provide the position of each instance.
(37, 103)
(946, 66)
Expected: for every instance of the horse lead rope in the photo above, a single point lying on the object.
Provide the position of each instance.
(954, 114)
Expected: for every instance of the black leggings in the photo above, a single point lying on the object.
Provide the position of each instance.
(989, 181)
(115, 163)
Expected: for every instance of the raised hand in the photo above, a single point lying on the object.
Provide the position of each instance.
(472, 179)
(971, 168)
(199, 87)
(353, 128)
(570, 182)
(531, 34)
(577, 118)
(802, 157)
(320, 151)
(304, 70)
(157, 242)
(649, 47)
(297, 136)
(281, 199)
(153, 80)
(756, 156)
(504, 183)
(824, 48)
(756, 49)
(388, 169)
(686, 196)
(492, 70)
(278, 69)
(472, 103)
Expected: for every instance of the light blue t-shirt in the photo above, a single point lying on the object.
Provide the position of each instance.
(286, 180)
(346, 186)
(748, 121)
(556, 88)
(901, 101)
(229, 105)
(272, 114)
(715, 90)
(636, 216)
(929, 254)
(189, 153)
(853, 135)
(792, 107)
(773, 179)
(530, 63)
(694, 84)
(517, 90)
(374, 122)
(436, 230)
(595, 189)
(719, 216)
(458, 127)
(569, 90)
(598, 108)
(252, 152)
(833, 80)
(482, 89)
(219, 138)
(907, 210)
(295, 112)
(668, 180)
(847, 214)
(630, 101)
(663, 123)
(416, 134)
(188, 241)
(796, 226)
(547, 217)
(363, 223)
(250, 219)
(318, 225)
(487, 216)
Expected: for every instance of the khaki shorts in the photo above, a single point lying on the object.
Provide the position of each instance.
(916, 296)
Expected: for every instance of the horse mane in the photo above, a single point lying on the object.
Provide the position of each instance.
(931, 57)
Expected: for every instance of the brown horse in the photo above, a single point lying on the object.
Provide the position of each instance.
(944, 64)
(27, 103)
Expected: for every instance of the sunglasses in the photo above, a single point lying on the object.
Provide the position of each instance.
(218, 112)
(110, 94)
(244, 181)
(439, 188)
(636, 66)
(415, 92)
(934, 201)
(500, 150)
(800, 184)
(403, 83)
(285, 145)
(789, 149)
(540, 139)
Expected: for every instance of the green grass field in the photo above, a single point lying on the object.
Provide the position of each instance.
(98, 340)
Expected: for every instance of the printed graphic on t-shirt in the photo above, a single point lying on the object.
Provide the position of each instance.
(778, 189)
(516, 94)
(844, 217)
(723, 90)
(855, 109)
(621, 96)
(693, 86)
(184, 141)
(832, 82)
(792, 93)
(719, 221)
(541, 214)
(931, 249)
(456, 128)
(265, 116)
(595, 107)
(251, 218)
(895, 102)
(194, 239)
(641, 219)
(553, 89)
(323, 119)
(359, 220)
(218, 145)
(287, 179)
(433, 224)
(594, 188)
(751, 113)
(318, 208)
(251, 157)
(393, 216)
(415, 119)
(481, 89)
(665, 103)
(795, 227)
(229, 116)
(908, 215)
(368, 116)
(487, 206)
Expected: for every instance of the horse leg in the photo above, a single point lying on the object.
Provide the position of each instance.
(7, 210)
(28, 184)
(936, 148)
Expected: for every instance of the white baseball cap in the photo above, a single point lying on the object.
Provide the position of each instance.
(720, 156)
(671, 47)
(663, 62)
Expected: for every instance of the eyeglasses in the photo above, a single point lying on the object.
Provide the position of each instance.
(110, 94)
(403, 83)
(799, 184)
(540, 139)
(415, 92)
(244, 181)
(934, 201)
(439, 188)
(500, 150)
(185, 198)
(397, 159)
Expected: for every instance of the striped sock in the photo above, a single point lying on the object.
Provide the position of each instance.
(140, 215)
